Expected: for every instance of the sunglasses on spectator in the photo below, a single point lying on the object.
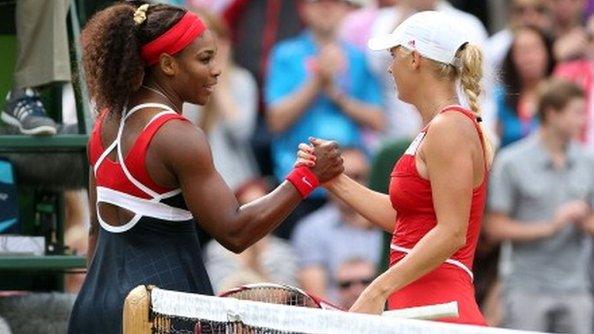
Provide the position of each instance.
(349, 283)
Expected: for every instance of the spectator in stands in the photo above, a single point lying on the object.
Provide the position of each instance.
(581, 71)
(42, 59)
(318, 85)
(589, 8)
(257, 25)
(528, 63)
(567, 15)
(540, 203)
(352, 277)
(356, 26)
(271, 259)
(333, 234)
(229, 118)
(571, 39)
(217, 7)
(521, 13)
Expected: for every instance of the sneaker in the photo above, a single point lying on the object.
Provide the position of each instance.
(24, 110)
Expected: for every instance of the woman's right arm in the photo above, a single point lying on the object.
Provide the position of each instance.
(186, 154)
(373, 205)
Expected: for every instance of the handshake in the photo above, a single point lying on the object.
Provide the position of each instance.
(322, 157)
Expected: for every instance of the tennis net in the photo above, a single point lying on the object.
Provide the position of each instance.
(155, 310)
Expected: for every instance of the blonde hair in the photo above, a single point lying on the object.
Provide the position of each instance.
(469, 69)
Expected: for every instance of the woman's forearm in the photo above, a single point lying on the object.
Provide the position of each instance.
(430, 252)
(373, 205)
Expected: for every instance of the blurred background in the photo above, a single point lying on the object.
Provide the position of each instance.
(268, 50)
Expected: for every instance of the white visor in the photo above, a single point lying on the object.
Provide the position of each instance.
(435, 35)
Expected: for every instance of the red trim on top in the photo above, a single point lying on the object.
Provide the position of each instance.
(136, 157)
(111, 175)
(468, 113)
(173, 40)
(473, 118)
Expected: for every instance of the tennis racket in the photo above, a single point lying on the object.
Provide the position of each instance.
(278, 294)
(267, 293)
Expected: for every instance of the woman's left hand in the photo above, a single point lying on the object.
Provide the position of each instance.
(305, 156)
(370, 301)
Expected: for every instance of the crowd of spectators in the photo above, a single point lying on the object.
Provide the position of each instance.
(295, 69)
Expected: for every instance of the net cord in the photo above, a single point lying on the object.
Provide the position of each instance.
(299, 319)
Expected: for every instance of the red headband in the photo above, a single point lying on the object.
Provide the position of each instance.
(173, 40)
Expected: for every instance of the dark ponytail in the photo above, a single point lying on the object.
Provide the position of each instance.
(111, 50)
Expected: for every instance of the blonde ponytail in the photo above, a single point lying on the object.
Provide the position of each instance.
(469, 69)
(470, 72)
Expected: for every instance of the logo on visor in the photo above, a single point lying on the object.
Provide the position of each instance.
(411, 43)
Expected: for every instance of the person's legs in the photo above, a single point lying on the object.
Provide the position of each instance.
(42, 58)
(42, 38)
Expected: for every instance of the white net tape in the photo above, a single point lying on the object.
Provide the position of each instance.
(298, 319)
(447, 310)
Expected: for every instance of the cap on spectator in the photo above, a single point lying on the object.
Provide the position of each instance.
(435, 35)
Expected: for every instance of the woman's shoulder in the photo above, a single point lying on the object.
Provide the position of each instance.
(452, 126)
(179, 138)
(450, 140)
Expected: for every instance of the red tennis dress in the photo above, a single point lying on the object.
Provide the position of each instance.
(158, 246)
(410, 195)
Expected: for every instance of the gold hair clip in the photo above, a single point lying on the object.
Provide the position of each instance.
(140, 14)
